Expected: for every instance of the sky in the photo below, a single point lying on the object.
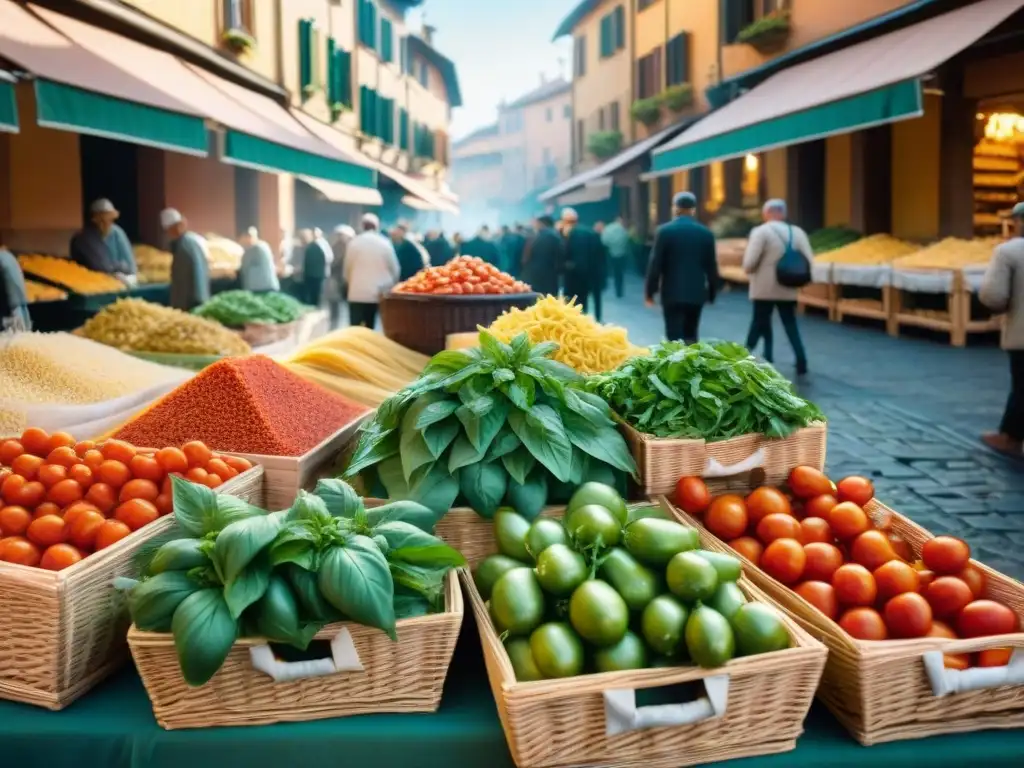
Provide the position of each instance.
(500, 48)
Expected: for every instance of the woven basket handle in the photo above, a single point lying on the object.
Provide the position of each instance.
(946, 682)
(753, 461)
(622, 715)
(344, 658)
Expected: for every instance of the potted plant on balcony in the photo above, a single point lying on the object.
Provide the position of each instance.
(238, 41)
(337, 110)
(768, 34)
(647, 111)
(678, 97)
(604, 144)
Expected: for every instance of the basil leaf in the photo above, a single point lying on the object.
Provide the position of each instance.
(193, 505)
(410, 512)
(578, 469)
(407, 543)
(436, 489)
(521, 348)
(306, 588)
(589, 406)
(357, 581)
(505, 442)
(482, 419)
(522, 392)
(239, 543)
(503, 375)
(409, 606)
(152, 603)
(438, 437)
(277, 613)
(374, 446)
(294, 544)
(428, 409)
(413, 452)
(449, 361)
(338, 497)
(422, 580)
(483, 485)
(204, 632)
(393, 478)
(248, 585)
(529, 498)
(541, 431)
(518, 463)
(500, 353)
(600, 441)
(463, 453)
(309, 506)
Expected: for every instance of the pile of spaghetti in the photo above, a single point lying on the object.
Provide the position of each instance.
(583, 343)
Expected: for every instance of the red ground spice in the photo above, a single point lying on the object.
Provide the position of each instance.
(245, 405)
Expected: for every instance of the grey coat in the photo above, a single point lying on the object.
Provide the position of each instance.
(1002, 290)
(765, 247)
(190, 272)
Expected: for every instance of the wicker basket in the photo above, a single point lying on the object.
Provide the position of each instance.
(403, 676)
(879, 690)
(62, 632)
(424, 322)
(726, 463)
(555, 723)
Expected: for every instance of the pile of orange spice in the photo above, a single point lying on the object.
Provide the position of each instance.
(245, 405)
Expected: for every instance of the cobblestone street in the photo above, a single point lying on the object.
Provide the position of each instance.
(906, 412)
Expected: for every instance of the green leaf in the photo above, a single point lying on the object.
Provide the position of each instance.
(429, 409)
(521, 348)
(410, 512)
(204, 631)
(306, 588)
(438, 437)
(541, 431)
(240, 542)
(589, 406)
(340, 498)
(393, 478)
(248, 585)
(414, 452)
(483, 419)
(193, 505)
(421, 580)
(519, 463)
(522, 392)
(449, 361)
(543, 350)
(505, 442)
(409, 606)
(600, 441)
(407, 543)
(529, 498)
(178, 555)
(308, 506)
(296, 543)
(356, 580)
(483, 485)
(503, 375)
(152, 603)
(500, 353)
(463, 453)
(374, 447)
(278, 617)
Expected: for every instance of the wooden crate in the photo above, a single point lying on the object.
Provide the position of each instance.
(865, 308)
(818, 296)
(566, 722)
(285, 476)
(406, 675)
(956, 320)
(63, 632)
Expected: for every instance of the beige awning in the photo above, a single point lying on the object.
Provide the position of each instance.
(432, 198)
(337, 192)
(416, 204)
(870, 83)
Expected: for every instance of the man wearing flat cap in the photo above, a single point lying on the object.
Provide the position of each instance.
(190, 267)
(585, 265)
(683, 270)
(1002, 290)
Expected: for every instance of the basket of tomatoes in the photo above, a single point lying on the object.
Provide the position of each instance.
(467, 292)
(74, 515)
(922, 639)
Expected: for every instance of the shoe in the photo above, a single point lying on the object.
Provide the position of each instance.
(801, 369)
(1002, 443)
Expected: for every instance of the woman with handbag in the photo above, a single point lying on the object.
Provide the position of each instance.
(1002, 290)
(778, 259)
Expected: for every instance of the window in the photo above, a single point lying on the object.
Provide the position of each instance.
(549, 114)
(513, 121)
(737, 14)
(644, 4)
(403, 129)
(620, 28)
(567, 111)
(579, 56)
(677, 59)
(613, 32)
(649, 77)
(306, 37)
(367, 110)
(580, 149)
(405, 61)
(600, 119)
(238, 15)
(424, 75)
(613, 112)
(387, 41)
(423, 141)
(368, 23)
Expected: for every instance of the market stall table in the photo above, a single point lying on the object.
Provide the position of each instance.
(114, 727)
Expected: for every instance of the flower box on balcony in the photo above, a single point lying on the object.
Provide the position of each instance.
(768, 34)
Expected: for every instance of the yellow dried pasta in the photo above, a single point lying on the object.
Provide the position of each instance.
(583, 343)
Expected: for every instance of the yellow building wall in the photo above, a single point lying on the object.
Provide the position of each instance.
(838, 177)
(915, 173)
(651, 29)
(775, 173)
(700, 19)
(555, 136)
(198, 18)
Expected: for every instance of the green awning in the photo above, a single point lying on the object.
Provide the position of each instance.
(262, 155)
(8, 107)
(883, 105)
(68, 108)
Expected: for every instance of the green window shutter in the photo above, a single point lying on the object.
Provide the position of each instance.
(606, 36)
(684, 58)
(365, 116)
(371, 26)
(305, 56)
(403, 129)
(344, 77)
(333, 82)
(620, 28)
(387, 53)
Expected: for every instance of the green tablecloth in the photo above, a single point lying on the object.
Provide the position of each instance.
(113, 727)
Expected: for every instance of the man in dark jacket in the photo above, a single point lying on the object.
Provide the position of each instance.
(585, 262)
(683, 270)
(440, 250)
(543, 257)
(410, 260)
(513, 243)
(316, 263)
(482, 247)
(190, 267)
(89, 247)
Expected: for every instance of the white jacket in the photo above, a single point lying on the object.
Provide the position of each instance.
(371, 267)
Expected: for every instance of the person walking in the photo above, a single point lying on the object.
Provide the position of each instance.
(616, 240)
(343, 235)
(1002, 290)
(482, 247)
(543, 257)
(371, 270)
(410, 259)
(257, 272)
(190, 262)
(513, 244)
(585, 262)
(316, 263)
(683, 270)
(438, 247)
(766, 246)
